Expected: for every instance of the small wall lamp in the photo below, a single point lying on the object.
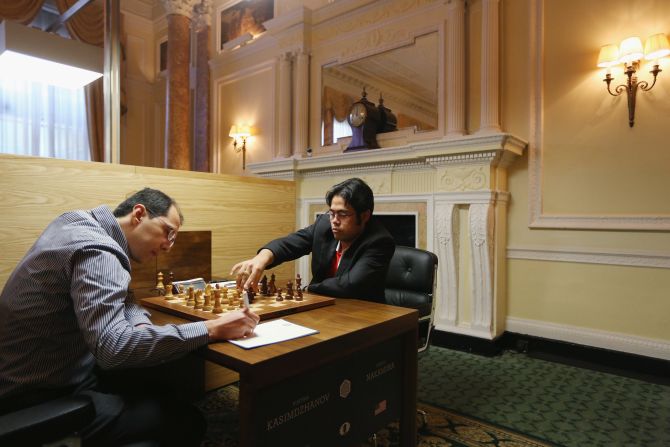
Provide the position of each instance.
(630, 53)
(240, 133)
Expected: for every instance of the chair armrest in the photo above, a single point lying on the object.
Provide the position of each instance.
(45, 422)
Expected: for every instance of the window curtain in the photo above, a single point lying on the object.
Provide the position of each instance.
(336, 107)
(43, 120)
(23, 11)
(88, 26)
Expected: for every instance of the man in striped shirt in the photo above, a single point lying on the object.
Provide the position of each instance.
(67, 319)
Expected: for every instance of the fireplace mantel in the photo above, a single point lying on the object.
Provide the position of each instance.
(497, 149)
(462, 185)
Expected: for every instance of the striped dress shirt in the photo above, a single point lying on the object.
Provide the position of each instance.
(66, 307)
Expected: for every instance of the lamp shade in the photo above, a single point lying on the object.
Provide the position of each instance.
(239, 131)
(656, 47)
(244, 131)
(28, 53)
(630, 50)
(609, 56)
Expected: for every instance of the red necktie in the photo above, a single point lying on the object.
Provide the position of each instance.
(335, 263)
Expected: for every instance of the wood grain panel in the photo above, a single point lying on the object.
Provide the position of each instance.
(242, 213)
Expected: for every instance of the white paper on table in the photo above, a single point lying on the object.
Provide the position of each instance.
(273, 332)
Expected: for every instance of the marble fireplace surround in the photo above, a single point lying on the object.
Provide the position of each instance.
(458, 188)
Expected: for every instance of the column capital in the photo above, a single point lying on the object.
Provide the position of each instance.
(202, 14)
(181, 7)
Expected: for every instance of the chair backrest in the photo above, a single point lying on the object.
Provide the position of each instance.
(410, 281)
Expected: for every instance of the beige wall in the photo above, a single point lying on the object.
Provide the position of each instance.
(594, 172)
(588, 224)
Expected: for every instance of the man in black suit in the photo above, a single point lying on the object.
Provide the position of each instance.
(350, 250)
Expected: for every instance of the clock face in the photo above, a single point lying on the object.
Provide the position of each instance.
(357, 114)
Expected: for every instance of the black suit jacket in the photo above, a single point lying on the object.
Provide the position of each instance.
(363, 267)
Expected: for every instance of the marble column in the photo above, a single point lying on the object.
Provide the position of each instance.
(284, 107)
(301, 106)
(455, 73)
(178, 95)
(490, 71)
(202, 27)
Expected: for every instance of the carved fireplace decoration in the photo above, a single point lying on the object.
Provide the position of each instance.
(460, 188)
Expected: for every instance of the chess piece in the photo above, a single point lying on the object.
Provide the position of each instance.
(168, 287)
(298, 282)
(182, 292)
(198, 300)
(190, 301)
(207, 305)
(159, 283)
(299, 295)
(289, 290)
(272, 289)
(231, 299)
(251, 295)
(217, 301)
(279, 297)
(264, 285)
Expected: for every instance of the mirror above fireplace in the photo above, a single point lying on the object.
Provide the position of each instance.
(406, 77)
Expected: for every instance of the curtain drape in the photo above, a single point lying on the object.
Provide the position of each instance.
(335, 106)
(95, 119)
(23, 11)
(42, 120)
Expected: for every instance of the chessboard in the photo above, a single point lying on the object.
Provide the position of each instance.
(211, 303)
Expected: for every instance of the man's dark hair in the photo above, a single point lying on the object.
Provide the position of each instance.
(356, 193)
(156, 202)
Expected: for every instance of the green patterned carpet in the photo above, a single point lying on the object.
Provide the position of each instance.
(569, 406)
(444, 428)
(476, 401)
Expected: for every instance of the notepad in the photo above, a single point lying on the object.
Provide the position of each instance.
(274, 331)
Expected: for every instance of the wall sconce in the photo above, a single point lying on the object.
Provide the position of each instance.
(630, 53)
(240, 133)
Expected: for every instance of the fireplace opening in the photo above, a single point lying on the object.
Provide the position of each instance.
(401, 226)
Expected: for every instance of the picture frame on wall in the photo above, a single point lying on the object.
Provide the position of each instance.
(242, 20)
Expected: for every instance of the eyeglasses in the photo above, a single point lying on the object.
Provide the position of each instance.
(171, 231)
(338, 214)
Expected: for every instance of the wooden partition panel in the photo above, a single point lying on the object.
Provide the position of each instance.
(240, 212)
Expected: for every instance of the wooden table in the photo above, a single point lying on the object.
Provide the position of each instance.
(336, 387)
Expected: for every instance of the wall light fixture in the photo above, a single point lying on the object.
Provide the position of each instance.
(630, 52)
(240, 133)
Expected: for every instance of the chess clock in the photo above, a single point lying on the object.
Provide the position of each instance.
(364, 120)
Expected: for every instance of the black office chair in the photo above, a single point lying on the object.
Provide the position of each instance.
(410, 282)
(54, 422)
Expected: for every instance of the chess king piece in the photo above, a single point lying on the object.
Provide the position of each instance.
(168, 288)
(264, 285)
(217, 301)
(159, 283)
(198, 300)
(190, 302)
(207, 305)
(272, 288)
